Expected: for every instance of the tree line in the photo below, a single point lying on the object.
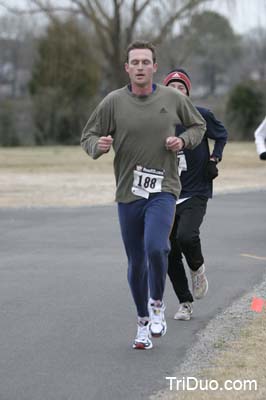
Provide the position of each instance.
(77, 56)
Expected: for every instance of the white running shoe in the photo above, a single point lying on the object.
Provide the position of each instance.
(142, 340)
(158, 326)
(184, 312)
(199, 283)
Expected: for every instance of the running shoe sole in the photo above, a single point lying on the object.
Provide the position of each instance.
(158, 335)
(142, 346)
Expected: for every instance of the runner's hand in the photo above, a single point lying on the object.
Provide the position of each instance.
(212, 170)
(263, 156)
(104, 143)
(174, 143)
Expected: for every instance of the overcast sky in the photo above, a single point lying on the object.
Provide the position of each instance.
(243, 14)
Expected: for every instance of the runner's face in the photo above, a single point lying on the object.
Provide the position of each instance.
(179, 86)
(140, 67)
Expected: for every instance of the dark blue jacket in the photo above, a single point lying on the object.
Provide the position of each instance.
(194, 179)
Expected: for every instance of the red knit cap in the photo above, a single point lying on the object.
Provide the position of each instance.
(178, 76)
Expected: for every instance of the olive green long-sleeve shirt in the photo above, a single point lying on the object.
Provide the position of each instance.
(139, 126)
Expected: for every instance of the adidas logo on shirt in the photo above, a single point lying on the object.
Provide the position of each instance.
(163, 111)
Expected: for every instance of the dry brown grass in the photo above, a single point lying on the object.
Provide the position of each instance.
(54, 176)
(241, 168)
(54, 159)
(66, 176)
(243, 359)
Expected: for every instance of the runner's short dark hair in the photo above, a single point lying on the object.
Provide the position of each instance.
(141, 44)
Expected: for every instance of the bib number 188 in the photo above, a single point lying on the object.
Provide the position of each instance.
(146, 182)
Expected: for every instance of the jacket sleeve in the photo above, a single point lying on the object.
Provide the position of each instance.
(100, 123)
(215, 131)
(260, 137)
(193, 122)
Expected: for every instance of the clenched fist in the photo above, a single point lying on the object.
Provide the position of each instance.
(104, 143)
(174, 143)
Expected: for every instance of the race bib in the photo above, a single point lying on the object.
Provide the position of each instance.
(182, 162)
(146, 181)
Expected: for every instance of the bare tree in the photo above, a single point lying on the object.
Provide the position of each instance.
(255, 48)
(214, 44)
(117, 22)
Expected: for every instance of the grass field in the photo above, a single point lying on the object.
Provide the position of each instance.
(73, 159)
(54, 176)
(60, 159)
(66, 176)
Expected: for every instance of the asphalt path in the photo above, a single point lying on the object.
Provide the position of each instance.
(67, 319)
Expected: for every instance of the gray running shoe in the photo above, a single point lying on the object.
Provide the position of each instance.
(199, 283)
(184, 312)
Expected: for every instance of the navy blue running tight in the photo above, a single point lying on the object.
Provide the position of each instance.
(145, 227)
